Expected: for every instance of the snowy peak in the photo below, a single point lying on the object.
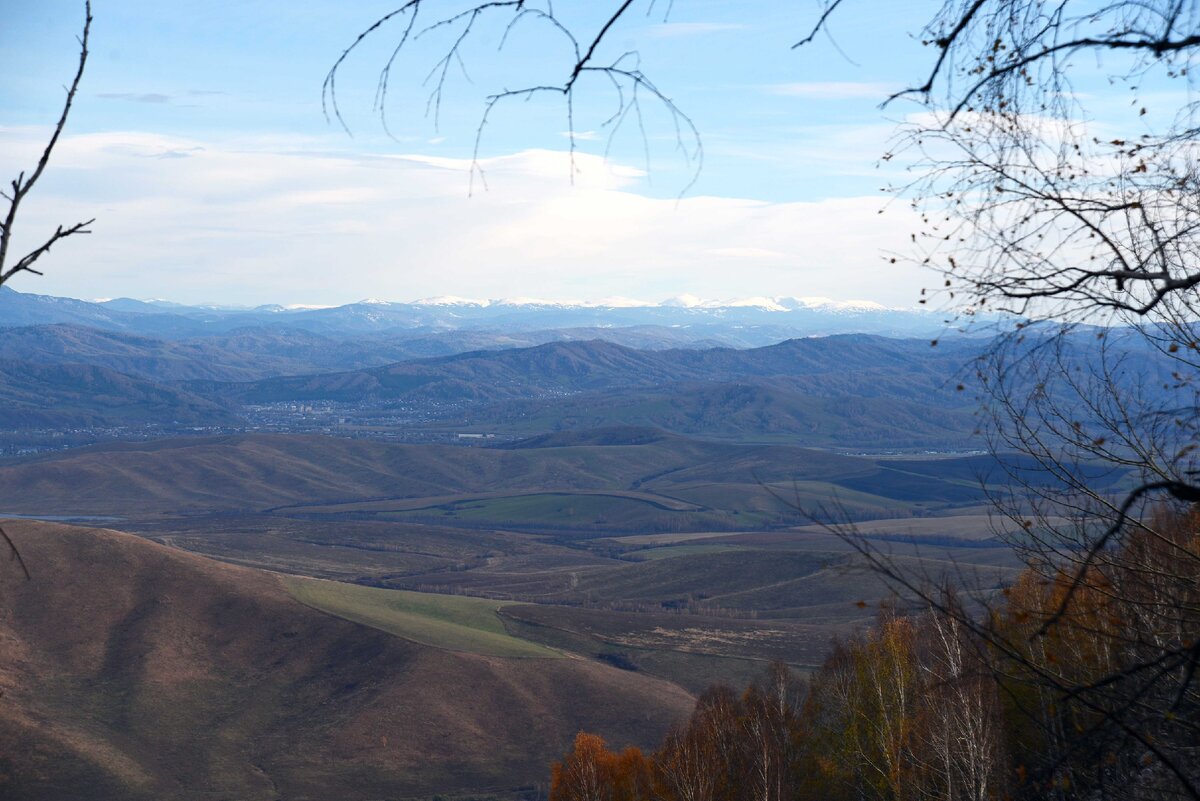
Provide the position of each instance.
(759, 319)
(618, 302)
(684, 301)
(450, 300)
(792, 304)
(775, 304)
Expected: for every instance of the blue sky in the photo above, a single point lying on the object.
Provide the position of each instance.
(199, 144)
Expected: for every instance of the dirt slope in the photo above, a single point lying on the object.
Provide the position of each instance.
(134, 671)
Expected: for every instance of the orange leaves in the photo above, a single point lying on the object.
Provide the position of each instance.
(590, 772)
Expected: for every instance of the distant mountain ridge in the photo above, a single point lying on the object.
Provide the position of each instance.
(818, 364)
(852, 390)
(450, 370)
(76, 396)
(750, 321)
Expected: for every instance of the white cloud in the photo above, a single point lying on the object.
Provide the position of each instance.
(747, 253)
(289, 221)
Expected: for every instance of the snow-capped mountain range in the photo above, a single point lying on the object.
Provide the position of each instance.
(685, 301)
(752, 320)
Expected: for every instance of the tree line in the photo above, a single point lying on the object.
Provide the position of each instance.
(1041, 693)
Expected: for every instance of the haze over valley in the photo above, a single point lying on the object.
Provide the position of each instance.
(628, 499)
(630, 511)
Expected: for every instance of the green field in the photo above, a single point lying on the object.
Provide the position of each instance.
(455, 623)
(669, 551)
(579, 511)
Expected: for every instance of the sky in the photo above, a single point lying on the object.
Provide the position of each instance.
(199, 144)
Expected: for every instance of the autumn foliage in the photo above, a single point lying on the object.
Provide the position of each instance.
(1041, 695)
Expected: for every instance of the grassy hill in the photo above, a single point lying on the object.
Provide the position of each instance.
(134, 671)
(659, 477)
(469, 625)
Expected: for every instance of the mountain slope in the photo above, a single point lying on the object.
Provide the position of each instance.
(262, 351)
(244, 354)
(745, 412)
(134, 671)
(819, 366)
(139, 356)
(63, 396)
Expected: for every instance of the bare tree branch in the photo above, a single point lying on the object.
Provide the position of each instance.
(627, 80)
(21, 186)
(14, 553)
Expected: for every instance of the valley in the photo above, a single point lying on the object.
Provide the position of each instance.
(76, 373)
(363, 559)
(743, 401)
(559, 529)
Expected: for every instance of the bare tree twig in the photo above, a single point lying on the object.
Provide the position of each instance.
(21, 186)
(14, 553)
(628, 82)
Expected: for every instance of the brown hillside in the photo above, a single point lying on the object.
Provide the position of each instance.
(256, 472)
(134, 671)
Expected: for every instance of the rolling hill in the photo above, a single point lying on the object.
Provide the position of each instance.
(66, 396)
(845, 392)
(262, 351)
(870, 366)
(744, 412)
(134, 671)
(245, 473)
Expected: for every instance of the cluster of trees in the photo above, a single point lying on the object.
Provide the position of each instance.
(1041, 695)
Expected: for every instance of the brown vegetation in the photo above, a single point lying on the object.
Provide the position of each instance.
(134, 671)
(1018, 705)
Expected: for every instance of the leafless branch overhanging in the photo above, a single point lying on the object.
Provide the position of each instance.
(22, 185)
(621, 74)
